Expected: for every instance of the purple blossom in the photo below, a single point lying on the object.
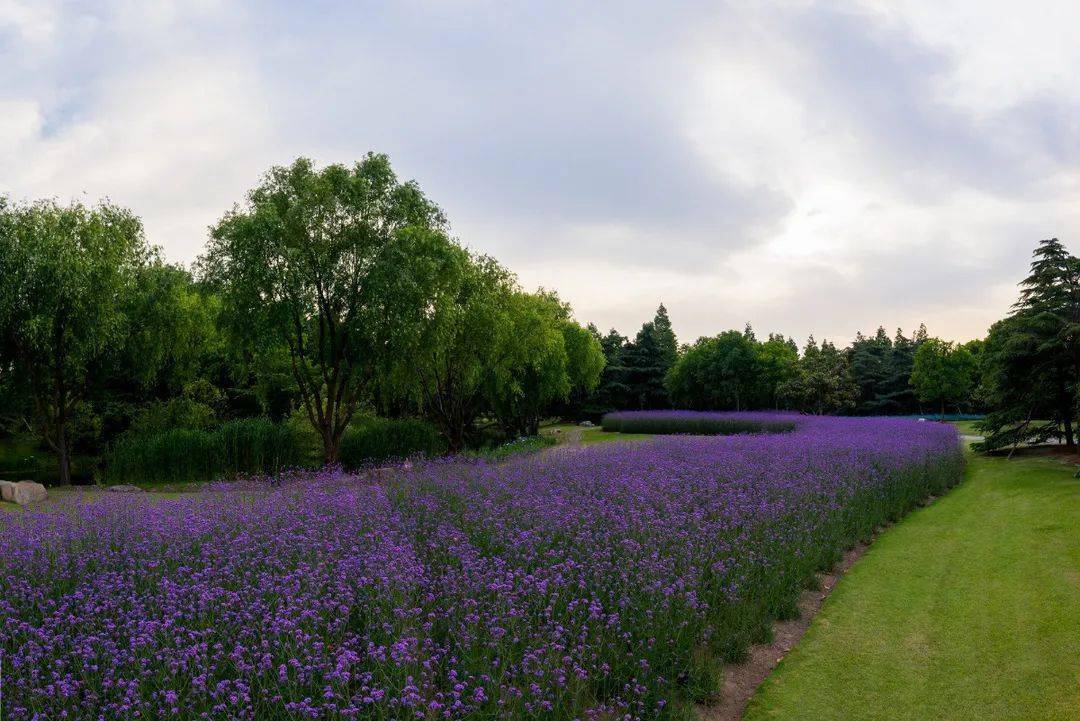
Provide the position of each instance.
(586, 583)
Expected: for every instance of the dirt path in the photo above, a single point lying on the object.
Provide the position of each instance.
(741, 680)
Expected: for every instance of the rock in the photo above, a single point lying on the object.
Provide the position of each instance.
(25, 492)
(7, 489)
(587, 424)
(124, 488)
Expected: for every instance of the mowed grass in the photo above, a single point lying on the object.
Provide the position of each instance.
(588, 436)
(967, 609)
(599, 435)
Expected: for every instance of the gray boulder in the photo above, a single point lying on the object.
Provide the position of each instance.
(25, 492)
(124, 488)
(7, 489)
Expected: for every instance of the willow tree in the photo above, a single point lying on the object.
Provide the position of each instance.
(449, 356)
(66, 273)
(335, 264)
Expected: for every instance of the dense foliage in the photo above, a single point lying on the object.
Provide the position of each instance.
(329, 295)
(1031, 359)
(242, 446)
(695, 423)
(66, 272)
(597, 584)
(382, 439)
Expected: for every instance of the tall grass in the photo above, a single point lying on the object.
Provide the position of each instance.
(383, 439)
(248, 445)
(693, 423)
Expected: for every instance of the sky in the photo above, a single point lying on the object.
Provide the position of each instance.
(807, 167)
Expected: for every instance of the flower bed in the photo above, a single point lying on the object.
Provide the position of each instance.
(596, 583)
(704, 423)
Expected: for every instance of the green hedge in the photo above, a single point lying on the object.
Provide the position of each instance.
(382, 439)
(691, 423)
(248, 445)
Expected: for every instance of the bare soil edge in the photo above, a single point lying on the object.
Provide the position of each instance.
(741, 680)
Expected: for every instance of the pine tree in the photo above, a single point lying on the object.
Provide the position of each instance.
(1031, 361)
(647, 360)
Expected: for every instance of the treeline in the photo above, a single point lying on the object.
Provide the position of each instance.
(875, 375)
(333, 305)
(328, 299)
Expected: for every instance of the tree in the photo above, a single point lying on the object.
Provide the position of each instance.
(944, 373)
(870, 370)
(336, 264)
(777, 363)
(458, 344)
(647, 360)
(67, 272)
(822, 383)
(612, 392)
(585, 361)
(1031, 360)
(531, 371)
(715, 373)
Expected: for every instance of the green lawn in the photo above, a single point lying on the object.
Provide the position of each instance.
(588, 436)
(967, 609)
(968, 427)
(599, 435)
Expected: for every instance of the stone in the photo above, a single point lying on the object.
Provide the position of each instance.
(25, 492)
(7, 489)
(586, 424)
(124, 488)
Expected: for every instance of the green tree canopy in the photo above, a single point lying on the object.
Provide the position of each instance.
(777, 364)
(822, 383)
(458, 344)
(68, 272)
(647, 360)
(1030, 362)
(336, 264)
(532, 371)
(944, 373)
(716, 373)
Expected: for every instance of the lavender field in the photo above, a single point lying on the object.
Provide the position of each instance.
(590, 583)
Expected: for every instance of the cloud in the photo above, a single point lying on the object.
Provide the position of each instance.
(792, 164)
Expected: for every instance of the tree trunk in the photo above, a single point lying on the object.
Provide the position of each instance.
(1069, 441)
(330, 447)
(63, 452)
(455, 438)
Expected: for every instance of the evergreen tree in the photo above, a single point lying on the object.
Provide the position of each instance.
(871, 371)
(612, 392)
(647, 360)
(1031, 360)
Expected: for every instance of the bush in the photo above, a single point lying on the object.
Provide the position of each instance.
(694, 423)
(383, 439)
(248, 445)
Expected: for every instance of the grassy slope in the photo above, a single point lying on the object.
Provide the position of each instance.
(967, 609)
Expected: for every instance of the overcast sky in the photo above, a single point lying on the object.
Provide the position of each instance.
(807, 167)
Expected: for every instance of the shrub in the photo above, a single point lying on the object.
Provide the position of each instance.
(248, 445)
(694, 423)
(382, 439)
